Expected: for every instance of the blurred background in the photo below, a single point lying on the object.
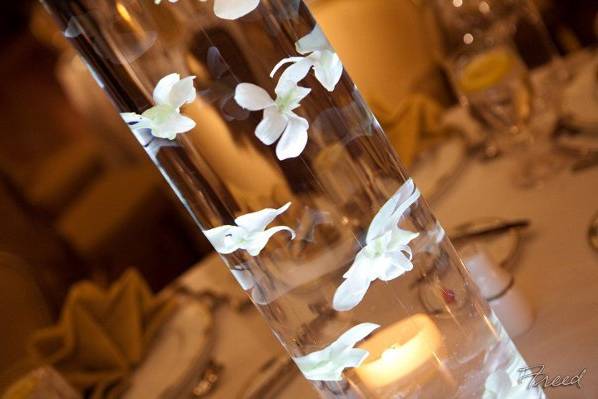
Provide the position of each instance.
(78, 198)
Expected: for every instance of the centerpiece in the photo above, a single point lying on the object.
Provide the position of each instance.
(246, 109)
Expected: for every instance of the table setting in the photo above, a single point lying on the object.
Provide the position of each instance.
(420, 248)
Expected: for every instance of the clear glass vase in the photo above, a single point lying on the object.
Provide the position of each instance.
(245, 108)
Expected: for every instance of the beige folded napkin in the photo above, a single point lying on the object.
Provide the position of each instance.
(42, 383)
(412, 126)
(102, 334)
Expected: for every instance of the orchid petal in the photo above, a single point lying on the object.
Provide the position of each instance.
(233, 9)
(314, 41)
(271, 127)
(382, 221)
(298, 71)
(412, 197)
(401, 238)
(399, 264)
(353, 336)
(249, 233)
(329, 363)
(164, 87)
(259, 240)
(350, 293)
(391, 212)
(173, 125)
(290, 94)
(225, 239)
(354, 357)
(329, 70)
(293, 140)
(258, 221)
(283, 62)
(183, 92)
(252, 97)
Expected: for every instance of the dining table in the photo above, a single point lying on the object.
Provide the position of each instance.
(556, 269)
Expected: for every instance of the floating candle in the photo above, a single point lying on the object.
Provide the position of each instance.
(404, 353)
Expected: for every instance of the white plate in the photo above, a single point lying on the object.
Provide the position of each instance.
(177, 357)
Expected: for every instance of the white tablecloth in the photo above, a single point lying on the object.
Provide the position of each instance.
(557, 269)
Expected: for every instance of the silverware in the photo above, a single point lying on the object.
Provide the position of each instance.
(499, 228)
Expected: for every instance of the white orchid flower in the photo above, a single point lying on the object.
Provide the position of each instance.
(499, 386)
(279, 121)
(386, 255)
(164, 119)
(319, 55)
(229, 9)
(329, 363)
(250, 232)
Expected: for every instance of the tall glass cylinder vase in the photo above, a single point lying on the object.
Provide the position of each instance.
(246, 109)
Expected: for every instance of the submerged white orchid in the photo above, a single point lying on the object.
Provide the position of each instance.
(279, 121)
(164, 119)
(319, 55)
(229, 9)
(250, 232)
(386, 255)
(329, 363)
(499, 386)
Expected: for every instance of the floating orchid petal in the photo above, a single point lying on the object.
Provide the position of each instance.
(319, 55)
(229, 9)
(279, 121)
(252, 97)
(233, 9)
(313, 41)
(391, 212)
(258, 221)
(224, 239)
(250, 232)
(259, 240)
(164, 119)
(271, 127)
(352, 291)
(328, 364)
(294, 139)
(386, 255)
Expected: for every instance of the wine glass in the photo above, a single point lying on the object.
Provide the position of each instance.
(494, 83)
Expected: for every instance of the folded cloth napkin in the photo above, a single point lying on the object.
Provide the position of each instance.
(42, 383)
(102, 334)
(412, 126)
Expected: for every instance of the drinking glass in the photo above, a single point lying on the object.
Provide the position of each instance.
(494, 84)
(518, 108)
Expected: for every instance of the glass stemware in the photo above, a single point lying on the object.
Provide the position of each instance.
(518, 108)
